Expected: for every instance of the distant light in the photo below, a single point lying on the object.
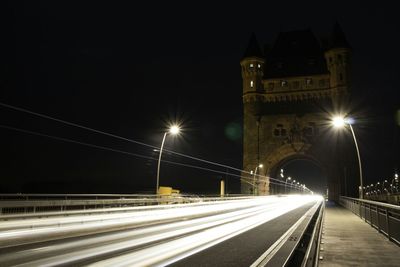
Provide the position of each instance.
(260, 166)
(282, 175)
(281, 170)
(174, 129)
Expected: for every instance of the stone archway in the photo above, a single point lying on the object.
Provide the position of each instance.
(301, 168)
(285, 154)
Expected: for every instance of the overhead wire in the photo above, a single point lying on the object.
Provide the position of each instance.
(121, 138)
(113, 135)
(119, 151)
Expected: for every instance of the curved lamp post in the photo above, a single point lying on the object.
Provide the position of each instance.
(288, 178)
(254, 178)
(174, 129)
(340, 122)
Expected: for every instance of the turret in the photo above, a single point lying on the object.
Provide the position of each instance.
(252, 67)
(337, 58)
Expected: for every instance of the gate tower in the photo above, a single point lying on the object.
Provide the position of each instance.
(288, 91)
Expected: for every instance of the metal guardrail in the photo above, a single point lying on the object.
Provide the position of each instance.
(58, 203)
(299, 246)
(307, 250)
(383, 217)
(39, 203)
(386, 198)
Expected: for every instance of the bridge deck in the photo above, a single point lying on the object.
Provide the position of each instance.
(349, 241)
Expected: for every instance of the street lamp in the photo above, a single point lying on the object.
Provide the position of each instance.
(340, 122)
(254, 178)
(174, 129)
(289, 178)
(294, 186)
(395, 180)
(383, 185)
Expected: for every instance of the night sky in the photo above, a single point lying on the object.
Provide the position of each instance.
(130, 69)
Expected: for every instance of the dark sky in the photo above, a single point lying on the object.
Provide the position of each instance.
(129, 68)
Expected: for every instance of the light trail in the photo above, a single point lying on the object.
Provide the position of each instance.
(145, 237)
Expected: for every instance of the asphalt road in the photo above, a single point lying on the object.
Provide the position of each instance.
(220, 233)
(246, 248)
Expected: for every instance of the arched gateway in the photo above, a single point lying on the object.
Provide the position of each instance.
(288, 91)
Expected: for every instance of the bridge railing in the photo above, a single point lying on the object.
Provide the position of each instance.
(39, 203)
(384, 217)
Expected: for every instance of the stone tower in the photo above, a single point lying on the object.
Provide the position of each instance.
(288, 90)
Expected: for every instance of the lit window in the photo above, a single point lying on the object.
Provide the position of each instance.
(251, 65)
(259, 66)
(308, 81)
(283, 83)
(251, 83)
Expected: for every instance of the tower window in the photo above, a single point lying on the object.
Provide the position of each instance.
(251, 84)
(280, 131)
(251, 65)
(310, 129)
(283, 83)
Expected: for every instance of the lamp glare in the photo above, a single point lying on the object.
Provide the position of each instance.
(174, 129)
(338, 122)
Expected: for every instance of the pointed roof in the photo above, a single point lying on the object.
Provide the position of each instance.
(338, 39)
(253, 49)
(295, 53)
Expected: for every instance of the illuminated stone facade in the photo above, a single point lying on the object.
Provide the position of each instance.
(288, 92)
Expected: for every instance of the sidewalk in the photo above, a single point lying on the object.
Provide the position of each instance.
(349, 241)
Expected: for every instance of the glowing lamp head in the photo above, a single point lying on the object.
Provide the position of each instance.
(174, 129)
(338, 122)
